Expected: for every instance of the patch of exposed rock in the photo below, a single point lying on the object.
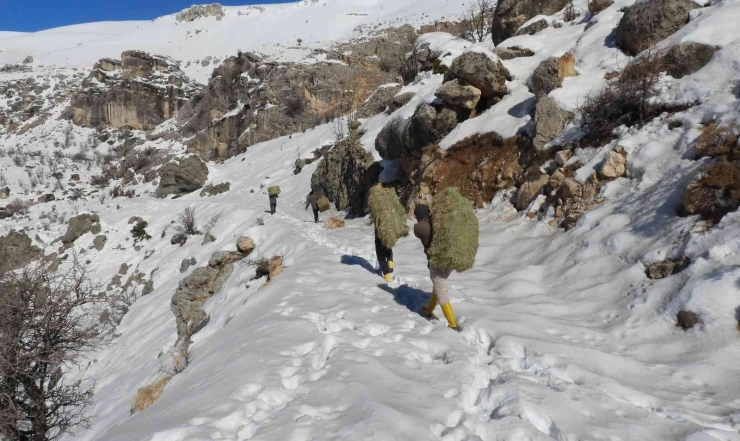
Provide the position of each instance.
(193, 291)
(345, 175)
(201, 11)
(715, 192)
(379, 101)
(481, 72)
(510, 15)
(182, 177)
(80, 225)
(687, 58)
(140, 91)
(16, 251)
(550, 120)
(534, 28)
(248, 101)
(509, 53)
(406, 137)
(614, 164)
(647, 23)
(458, 96)
(665, 268)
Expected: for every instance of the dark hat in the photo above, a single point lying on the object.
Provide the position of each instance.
(422, 212)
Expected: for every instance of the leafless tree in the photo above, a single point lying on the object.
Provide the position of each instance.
(478, 19)
(43, 328)
(187, 223)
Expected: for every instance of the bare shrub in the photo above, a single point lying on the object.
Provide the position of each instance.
(212, 221)
(295, 104)
(570, 13)
(187, 222)
(628, 101)
(477, 19)
(261, 267)
(44, 327)
(118, 303)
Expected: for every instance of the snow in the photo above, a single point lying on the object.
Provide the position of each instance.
(271, 30)
(564, 336)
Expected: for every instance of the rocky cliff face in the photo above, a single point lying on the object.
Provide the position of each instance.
(249, 101)
(140, 91)
(201, 11)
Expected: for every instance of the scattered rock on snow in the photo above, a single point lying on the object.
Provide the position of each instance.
(550, 120)
(99, 242)
(245, 245)
(4, 193)
(614, 165)
(665, 268)
(509, 53)
(182, 177)
(208, 238)
(17, 250)
(46, 198)
(530, 189)
(213, 190)
(534, 28)
(179, 239)
(647, 23)
(186, 264)
(79, 225)
(687, 58)
(687, 320)
(378, 101)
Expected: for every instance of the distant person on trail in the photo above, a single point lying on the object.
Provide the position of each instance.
(313, 201)
(423, 230)
(273, 203)
(385, 257)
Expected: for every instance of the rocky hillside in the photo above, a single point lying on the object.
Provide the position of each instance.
(598, 141)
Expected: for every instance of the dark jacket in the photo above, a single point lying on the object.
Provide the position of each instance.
(423, 230)
(273, 199)
(313, 201)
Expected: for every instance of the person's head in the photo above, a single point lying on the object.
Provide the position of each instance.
(421, 212)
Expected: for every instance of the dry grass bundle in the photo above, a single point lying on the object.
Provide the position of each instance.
(388, 214)
(324, 204)
(454, 232)
(273, 191)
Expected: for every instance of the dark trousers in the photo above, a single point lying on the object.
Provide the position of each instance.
(273, 207)
(316, 215)
(384, 254)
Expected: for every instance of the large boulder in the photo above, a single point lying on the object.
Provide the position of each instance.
(182, 177)
(687, 58)
(510, 15)
(345, 175)
(79, 225)
(245, 245)
(456, 95)
(613, 166)
(379, 101)
(550, 120)
(16, 251)
(549, 75)
(481, 72)
(406, 137)
(193, 291)
(647, 23)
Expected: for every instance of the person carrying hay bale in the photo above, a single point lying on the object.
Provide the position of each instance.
(273, 193)
(449, 234)
(313, 200)
(389, 218)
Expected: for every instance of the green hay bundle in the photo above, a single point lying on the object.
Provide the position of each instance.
(274, 190)
(454, 232)
(324, 204)
(388, 215)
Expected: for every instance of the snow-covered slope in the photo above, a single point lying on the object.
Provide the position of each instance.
(564, 336)
(272, 30)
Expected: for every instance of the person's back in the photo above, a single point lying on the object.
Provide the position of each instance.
(313, 201)
(273, 203)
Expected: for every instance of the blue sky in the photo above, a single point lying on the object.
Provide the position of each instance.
(35, 15)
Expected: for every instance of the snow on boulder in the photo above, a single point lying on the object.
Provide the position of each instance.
(647, 23)
(510, 15)
(182, 177)
(550, 74)
(687, 58)
(483, 71)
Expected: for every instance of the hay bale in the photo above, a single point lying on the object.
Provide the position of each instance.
(274, 190)
(324, 204)
(454, 232)
(388, 215)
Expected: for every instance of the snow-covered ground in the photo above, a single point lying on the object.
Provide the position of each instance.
(564, 336)
(272, 30)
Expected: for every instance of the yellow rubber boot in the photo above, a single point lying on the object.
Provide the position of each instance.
(430, 306)
(390, 264)
(450, 316)
(387, 278)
